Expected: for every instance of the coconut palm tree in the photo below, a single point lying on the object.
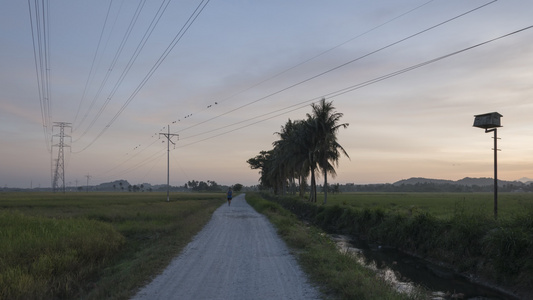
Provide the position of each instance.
(324, 125)
(286, 154)
(304, 147)
(263, 162)
(293, 148)
(301, 145)
(312, 161)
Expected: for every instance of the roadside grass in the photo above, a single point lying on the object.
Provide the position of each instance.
(461, 233)
(93, 245)
(337, 274)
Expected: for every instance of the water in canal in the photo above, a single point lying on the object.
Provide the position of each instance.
(406, 272)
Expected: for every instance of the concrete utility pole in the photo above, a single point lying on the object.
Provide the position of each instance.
(169, 137)
(491, 122)
(88, 176)
(59, 173)
(495, 130)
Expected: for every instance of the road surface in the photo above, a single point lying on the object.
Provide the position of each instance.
(237, 255)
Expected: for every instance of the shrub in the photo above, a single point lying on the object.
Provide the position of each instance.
(508, 249)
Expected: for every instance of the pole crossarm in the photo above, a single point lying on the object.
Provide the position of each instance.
(169, 136)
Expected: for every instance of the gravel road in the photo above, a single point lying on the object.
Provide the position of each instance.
(237, 255)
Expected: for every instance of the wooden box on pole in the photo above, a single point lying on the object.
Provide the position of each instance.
(490, 122)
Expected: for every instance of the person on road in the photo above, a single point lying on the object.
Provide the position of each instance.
(230, 195)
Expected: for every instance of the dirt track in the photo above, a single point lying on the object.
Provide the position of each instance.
(237, 255)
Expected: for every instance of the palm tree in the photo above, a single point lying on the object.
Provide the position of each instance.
(292, 151)
(263, 162)
(304, 146)
(278, 171)
(284, 150)
(310, 145)
(324, 124)
(301, 145)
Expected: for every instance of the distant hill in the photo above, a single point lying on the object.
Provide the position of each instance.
(525, 180)
(467, 181)
(111, 186)
(430, 185)
(484, 181)
(420, 180)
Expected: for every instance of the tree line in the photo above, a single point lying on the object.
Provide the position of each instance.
(210, 186)
(305, 147)
(430, 187)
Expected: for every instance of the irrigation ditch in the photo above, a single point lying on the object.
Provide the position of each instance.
(406, 272)
(453, 261)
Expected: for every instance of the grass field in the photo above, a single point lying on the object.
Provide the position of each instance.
(92, 245)
(440, 205)
(105, 245)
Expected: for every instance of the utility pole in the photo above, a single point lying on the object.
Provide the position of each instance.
(495, 130)
(169, 137)
(490, 122)
(88, 176)
(59, 174)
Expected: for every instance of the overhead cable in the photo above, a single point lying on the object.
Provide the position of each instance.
(343, 65)
(283, 72)
(343, 91)
(306, 61)
(93, 63)
(163, 56)
(133, 58)
(41, 52)
(111, 68)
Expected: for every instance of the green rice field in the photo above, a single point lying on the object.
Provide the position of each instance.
(440, 205)
(93, 245)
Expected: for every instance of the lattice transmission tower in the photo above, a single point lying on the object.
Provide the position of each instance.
(59, 172)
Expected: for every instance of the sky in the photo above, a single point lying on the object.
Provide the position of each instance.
(224, 76)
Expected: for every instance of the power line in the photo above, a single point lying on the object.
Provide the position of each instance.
(109, 70)
(113, 63)
(279, 74)
(41, 52)
(345, 90)
(156, 156)
(279, 112)
(333, 94)
(163, 56)
(130, 158)
(344, 64)
(304, 62)
(132, 59)
(93, 62)
(298, 106)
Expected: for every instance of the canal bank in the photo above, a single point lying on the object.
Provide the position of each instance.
(407, 272)
(496, 252)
